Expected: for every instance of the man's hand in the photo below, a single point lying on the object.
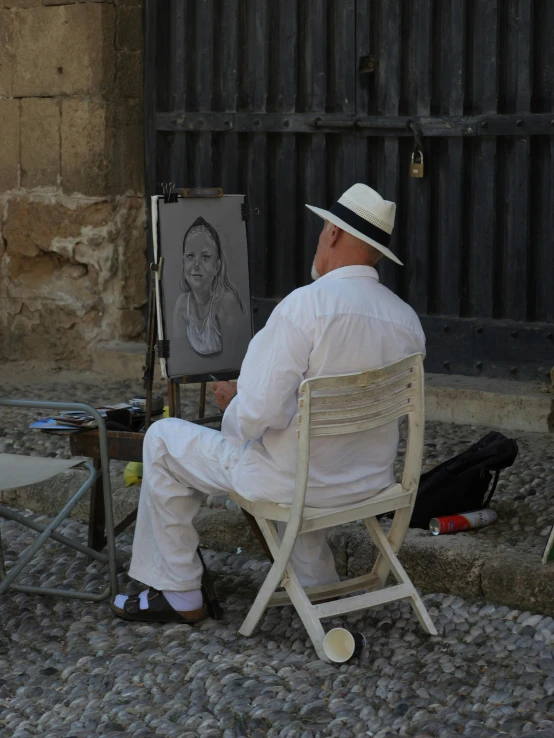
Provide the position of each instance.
(224, 393)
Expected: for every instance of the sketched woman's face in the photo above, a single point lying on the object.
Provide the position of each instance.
(201, 260)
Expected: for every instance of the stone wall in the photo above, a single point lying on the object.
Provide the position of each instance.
(72, 218)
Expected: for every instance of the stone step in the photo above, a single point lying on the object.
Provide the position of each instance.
(495, 403)
(119, 359)
(466, 564)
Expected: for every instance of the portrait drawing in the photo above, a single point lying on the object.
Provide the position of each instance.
(210, 305)
(206, 297)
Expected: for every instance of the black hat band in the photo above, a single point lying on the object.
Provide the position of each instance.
(360, 224)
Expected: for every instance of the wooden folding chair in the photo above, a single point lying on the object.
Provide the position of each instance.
(17, 471)
(330, 406)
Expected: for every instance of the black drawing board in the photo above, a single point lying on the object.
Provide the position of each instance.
(203, 292)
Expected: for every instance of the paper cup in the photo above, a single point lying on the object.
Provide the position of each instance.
(339, 645)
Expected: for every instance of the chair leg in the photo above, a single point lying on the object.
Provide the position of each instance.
(46, 532)
(273, 579)
(34, 547)
(110, 530)
(281, 571)
(422, 615)
(8, 514)
(305, 610)
(399, 528)
(394, 565)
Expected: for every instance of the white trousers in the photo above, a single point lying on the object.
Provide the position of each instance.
(183, 461)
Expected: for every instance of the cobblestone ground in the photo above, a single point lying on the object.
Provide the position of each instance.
(73, 669)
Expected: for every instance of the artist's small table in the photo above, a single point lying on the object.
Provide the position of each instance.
(122, 446)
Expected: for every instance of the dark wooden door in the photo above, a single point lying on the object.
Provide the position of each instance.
(292, 101)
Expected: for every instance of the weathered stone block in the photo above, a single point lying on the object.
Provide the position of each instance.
(22, 3)
(129, 28)
(34, 227)
(40, 142)
(64, 49)
(6, 53)
(86, 137)
(518, 581)
(129, 80)
(65, 279)
(43, 329)
(133, 263)
(131, 323)
(130, 288)
(9, 151)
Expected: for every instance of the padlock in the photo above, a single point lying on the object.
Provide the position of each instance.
(416, 167)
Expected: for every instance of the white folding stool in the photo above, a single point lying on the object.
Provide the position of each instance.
(18, 471)
(327, 406)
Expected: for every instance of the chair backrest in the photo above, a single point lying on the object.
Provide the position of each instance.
(351, 403)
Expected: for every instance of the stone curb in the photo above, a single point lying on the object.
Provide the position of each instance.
(498, 403)
(467, 564)
(462, 565)
(118, 359)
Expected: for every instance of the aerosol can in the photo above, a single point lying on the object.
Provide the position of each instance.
(462, 521)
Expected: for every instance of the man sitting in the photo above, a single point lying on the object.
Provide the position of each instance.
(344, 322)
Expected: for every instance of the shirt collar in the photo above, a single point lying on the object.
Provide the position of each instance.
(357, 270)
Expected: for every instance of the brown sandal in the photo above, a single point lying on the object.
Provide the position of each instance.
(158, 611)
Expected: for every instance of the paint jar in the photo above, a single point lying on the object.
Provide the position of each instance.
(157, 407)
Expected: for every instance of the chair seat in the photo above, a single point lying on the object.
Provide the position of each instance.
(19, 471)
(389, 499)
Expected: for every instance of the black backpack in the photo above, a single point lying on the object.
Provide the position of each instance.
(460, 484)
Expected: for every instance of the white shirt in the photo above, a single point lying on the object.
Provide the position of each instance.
(343, 323)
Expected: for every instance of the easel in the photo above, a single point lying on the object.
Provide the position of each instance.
(173, 385)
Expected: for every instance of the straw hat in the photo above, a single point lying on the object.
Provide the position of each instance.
(362, 212)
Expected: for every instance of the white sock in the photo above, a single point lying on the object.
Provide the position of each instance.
(180, 601)
(120, 600)
(184, 601)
